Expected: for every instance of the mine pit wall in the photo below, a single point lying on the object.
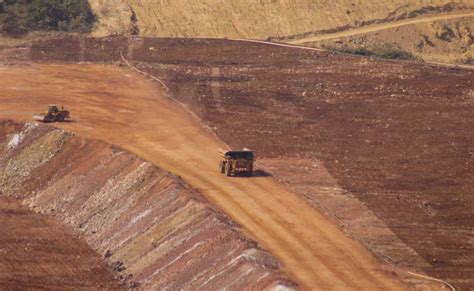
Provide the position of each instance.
(152, 229)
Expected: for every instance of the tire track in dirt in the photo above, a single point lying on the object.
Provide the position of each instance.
(303, 246)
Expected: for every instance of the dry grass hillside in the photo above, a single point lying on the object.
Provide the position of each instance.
(113, 17)
(290, 20)
(446, 41)
(253, 19)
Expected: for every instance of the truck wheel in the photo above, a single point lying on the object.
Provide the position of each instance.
(250, 173)
(228, 169)
(222, 167)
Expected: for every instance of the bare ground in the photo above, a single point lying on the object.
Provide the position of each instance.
(38, 252)
(152, 230)
(116, 105)
(392, 134)
(386, 140)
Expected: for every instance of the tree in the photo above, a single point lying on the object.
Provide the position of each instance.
(66, 15)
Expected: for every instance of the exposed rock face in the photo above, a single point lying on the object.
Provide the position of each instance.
(153, 230)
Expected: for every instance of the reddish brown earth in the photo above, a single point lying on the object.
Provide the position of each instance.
(37, 252)
(394, 135)
(387, 138)
(379, 146)
(154, 231)
(119, 106)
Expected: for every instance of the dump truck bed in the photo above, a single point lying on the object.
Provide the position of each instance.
(248, 155)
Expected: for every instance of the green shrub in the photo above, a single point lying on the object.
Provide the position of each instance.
(386, 52)
(362, 51)
(18, 16)
(11, 25)
(447, 34)
(396, 54)
(65, 15)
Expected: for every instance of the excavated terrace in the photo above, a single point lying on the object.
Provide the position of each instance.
(151, 229)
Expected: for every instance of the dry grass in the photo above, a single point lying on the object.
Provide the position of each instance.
(248, 19)
(289, 19)
(113, 17)
(445, 41)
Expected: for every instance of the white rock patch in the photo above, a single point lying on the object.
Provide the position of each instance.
(14, 141)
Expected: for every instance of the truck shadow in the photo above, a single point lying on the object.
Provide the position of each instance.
(256, 174)
(56, 122)
(261, 173)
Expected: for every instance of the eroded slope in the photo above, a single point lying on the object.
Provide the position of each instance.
(152, 229)
(37, 252)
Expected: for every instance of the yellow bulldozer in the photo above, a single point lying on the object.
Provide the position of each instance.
(237, 162)
(54, 114)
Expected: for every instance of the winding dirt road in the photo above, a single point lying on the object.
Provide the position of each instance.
(378, 27)
(119, 107)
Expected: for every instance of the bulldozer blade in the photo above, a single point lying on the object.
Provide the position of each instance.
(38, 118)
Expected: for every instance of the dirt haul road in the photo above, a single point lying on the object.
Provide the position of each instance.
(118, 106)
(378, 27)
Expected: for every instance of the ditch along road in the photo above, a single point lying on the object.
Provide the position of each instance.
(378, 27)
(119, 106)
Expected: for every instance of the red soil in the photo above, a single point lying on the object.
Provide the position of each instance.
(154, 231)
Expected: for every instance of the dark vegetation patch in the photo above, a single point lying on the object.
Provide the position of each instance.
(469, 61)
(446, 34)
(21, 16)
(425, 41)
(386, 51)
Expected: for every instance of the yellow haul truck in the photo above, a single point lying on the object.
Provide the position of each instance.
(237, 162)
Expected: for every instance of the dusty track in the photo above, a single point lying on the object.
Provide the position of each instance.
(378, 27)
(119, 107)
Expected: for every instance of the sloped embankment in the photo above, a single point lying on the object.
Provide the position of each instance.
(153, 229)
(38, 253)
